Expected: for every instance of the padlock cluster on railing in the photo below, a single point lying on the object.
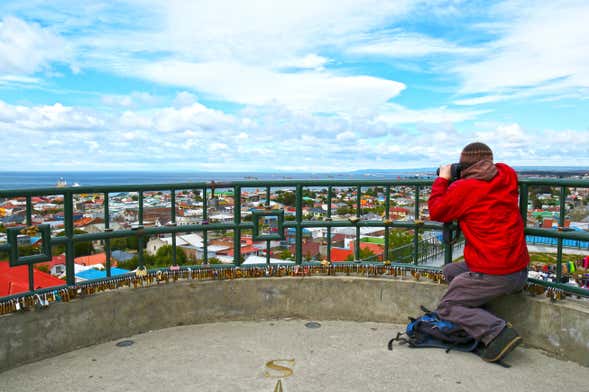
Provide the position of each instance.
(553, 293)
(146, 278)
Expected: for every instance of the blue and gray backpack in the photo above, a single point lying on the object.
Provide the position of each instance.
(430, 330)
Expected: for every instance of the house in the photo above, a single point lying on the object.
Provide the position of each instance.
(92, 260)
(93, 273)
(364, 231)
(56, 266)
(262, 260)
(342, 254)
(15, 280)
(244, 251)
(121, 256)
(309, 247)
(155, 243)
(399, 211)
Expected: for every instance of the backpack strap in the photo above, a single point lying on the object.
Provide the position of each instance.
(399, 339)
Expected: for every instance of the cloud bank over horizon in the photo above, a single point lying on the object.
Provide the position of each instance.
(311, 85)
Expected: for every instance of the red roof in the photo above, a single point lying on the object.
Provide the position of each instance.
(374, 248)
(340, 254)
(99, 258)
(55, 260)
(83, 222)
(14, 280)
(245, 250)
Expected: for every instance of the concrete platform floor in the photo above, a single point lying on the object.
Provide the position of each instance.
(338, 356)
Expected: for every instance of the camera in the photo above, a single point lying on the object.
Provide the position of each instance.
(455, 170)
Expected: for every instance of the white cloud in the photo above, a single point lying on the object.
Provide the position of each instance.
(172, 119)
(397, 114)
(184, 98)
(310, 61)
(26, 48)
(545, 44)
(311, 91)
(347, 135)
(480, 100)
(136, 98)
(228, 143)
(269, 31)
(401, 44)
(50, 117)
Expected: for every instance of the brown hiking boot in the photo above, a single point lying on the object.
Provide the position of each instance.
(502, 345)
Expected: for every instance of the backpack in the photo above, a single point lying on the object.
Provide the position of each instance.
(430, 330)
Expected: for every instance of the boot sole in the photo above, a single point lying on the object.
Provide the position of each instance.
(506, 350)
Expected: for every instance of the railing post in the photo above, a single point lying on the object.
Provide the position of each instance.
(68, 212)
(30, 223)
(299, 220)
(329, 197)
(140, 232)
(358, 210)
(236, 221)
(416, 228)
(267, 241)
(387, 215)
(107, 249)
(561, 219)
(523, 203)
(205, 233)
(173, 219)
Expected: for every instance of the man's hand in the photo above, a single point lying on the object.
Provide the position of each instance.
(446, 171)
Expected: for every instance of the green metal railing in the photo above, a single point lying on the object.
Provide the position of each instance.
(238, 225)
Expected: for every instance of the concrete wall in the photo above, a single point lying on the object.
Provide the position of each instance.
(560, 328)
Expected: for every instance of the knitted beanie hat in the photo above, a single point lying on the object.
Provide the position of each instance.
(475, 152)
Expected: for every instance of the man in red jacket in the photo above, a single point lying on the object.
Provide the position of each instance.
(484, 200)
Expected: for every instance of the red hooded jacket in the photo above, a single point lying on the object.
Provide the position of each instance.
(489, 217)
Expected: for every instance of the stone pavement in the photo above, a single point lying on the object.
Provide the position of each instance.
(337, 356)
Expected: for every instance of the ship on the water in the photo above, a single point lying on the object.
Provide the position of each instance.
(62, 183)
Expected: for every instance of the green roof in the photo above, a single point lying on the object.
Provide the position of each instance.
(373, 240)
(543, 214)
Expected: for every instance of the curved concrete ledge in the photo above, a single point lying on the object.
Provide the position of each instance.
(559, 328)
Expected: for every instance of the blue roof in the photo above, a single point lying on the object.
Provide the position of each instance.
(121, 256)
(97, 274)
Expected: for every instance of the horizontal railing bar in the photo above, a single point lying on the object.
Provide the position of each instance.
(159, 230)
(368, 223)
(197, 185)
(261, 183)
(575, 183)
(571, 235)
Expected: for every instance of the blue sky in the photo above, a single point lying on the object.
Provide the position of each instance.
(312, 85)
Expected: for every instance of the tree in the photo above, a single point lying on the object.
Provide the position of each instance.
(400, 245)
(118, 244)
(83, 248)
(285, 255)
(365, 253)
(286, 198)
(164, 256)
(343, 210)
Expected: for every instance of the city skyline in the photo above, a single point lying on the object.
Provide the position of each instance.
(296, 86)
